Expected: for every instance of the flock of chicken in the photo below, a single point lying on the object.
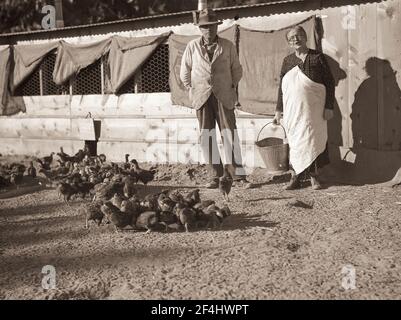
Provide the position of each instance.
(113, 190)
(13, 174)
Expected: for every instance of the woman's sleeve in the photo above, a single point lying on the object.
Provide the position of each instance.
(328, 82)
(279, 106)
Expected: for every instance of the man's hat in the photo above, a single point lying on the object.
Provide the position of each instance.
(207, 17)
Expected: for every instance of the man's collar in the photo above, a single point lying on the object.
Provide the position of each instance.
(202, 42)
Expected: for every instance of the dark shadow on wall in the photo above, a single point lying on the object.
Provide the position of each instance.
(379, 94)
(376, 112)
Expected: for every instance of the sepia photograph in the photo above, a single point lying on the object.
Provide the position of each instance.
(213, 152)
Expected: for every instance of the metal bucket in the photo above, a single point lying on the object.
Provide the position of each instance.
(274, 152)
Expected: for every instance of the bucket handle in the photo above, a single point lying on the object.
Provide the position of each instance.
(285, 134)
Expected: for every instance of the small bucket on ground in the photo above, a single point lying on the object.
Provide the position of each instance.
(274, 152)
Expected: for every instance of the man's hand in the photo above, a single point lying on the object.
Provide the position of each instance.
(328, 114)
(277, 117)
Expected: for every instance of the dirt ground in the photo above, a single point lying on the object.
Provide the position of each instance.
(270, 248)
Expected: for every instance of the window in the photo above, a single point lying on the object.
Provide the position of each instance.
(151, 78)
(49, 87)
(89, 80)
(40, 82)
(153, 75)
(31, 86)
(155, 72)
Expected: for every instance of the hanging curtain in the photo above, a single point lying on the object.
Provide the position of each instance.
(261, 55)
(71, 58)
(8, 105)
(27, 58)
(127, 55)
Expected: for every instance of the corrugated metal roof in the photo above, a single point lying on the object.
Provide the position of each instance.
(154, 17)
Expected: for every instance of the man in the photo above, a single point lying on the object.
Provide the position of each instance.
(210, 70)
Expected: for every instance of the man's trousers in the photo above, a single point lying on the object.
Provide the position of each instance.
(211, 112)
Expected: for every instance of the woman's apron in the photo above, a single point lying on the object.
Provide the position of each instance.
(303, 108)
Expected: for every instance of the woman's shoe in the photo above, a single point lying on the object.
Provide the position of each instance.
(316, 185)
(214, 184)
(294, 183)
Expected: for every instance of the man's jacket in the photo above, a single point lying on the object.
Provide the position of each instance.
(202, 77)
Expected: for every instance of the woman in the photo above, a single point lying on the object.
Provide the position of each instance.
(306, 99)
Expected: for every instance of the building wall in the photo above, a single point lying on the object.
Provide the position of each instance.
(362, 42)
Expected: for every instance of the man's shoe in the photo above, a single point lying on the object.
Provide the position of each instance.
(214, 184)
(316, 185)
(294, 183)
(243, 183)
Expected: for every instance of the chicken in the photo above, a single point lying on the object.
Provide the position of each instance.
(149, 203)
(129, 189)
(131, 208)
(145, 176)
(64, 168)
(115, 168)
(86, 160)
(203, 204)
(223, 214)
(65, 157)
(66, 190)
(73, 168)
(89, 170)
(102, 158)
(135, 198)
(12, 174)
(168, 219)
(192, 198)
(16, 178)
(47, 161)
(104, 191)
(119, 219)
(79, 156)
(217, 215)
(52, 174)
(95, 179)
(127, 165)
(92, 211)
(186, 215)
(207, 218)
(84, 188)
(43, 165)
(175, 195)
(165, 203)
(116, 200)
(148, 220)
(17, 168)
(225, 183)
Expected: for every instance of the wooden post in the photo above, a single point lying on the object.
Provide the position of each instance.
(138, 81)
(41, 81)
(102, 74)
(202, 4)
(59, 14)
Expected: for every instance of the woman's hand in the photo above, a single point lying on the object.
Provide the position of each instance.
(277, 117)
(328, 114)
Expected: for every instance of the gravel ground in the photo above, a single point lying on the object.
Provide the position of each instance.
(270, 248)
